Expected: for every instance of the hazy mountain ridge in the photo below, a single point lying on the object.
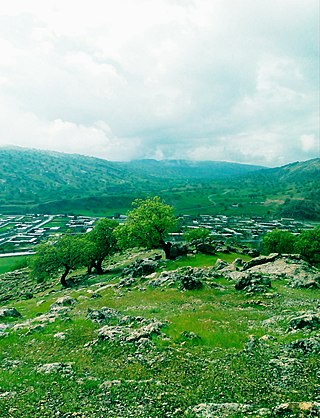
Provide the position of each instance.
(52, 182)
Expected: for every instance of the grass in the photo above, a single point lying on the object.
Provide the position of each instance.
(124, 380)
(12, 263)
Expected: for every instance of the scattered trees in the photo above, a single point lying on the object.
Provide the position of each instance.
(66, 254)
(147, 225)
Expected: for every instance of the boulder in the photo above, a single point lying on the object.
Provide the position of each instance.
(253, 282)
(9, 313)
(309, 320)
(64, 301)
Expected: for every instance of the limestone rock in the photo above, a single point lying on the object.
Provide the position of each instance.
(309, 320)
(9, 313)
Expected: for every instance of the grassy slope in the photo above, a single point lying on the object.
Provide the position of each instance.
(177, 373)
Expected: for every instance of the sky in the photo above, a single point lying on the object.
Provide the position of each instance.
(222, 80)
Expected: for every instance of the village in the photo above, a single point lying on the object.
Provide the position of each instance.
(19, 234)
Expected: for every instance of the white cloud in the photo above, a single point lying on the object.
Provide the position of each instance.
(162, 79)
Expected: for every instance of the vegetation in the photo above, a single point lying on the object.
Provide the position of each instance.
(104, 243)
(60, 183)
(307, 243)
(219, 346)
(196, 234)
(67, 253)
(278, 241)
(147, 225)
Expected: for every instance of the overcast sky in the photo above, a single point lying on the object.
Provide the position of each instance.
(189, 79)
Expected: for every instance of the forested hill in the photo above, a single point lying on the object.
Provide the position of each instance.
(33, 177)
(51, 182)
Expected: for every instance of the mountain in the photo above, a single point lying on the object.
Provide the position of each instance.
(50, 182)
(191, 170)
(33, 180)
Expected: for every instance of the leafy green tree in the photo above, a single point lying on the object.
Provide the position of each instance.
(65, 255)
(196, 234)
(147, 225)
(278, 241)
(308, 244)
(104, 242)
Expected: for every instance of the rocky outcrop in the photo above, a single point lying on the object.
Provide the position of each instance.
(141, 267)
(253, 283)
(127, 334)
(9, 313)
(309, 320)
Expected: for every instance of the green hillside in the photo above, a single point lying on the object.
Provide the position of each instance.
(33, 181)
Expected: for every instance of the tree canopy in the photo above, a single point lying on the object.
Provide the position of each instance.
(147, 225)
(308, 244)
(278, 241)
(196, 234)
(104, 242)
(66, 254)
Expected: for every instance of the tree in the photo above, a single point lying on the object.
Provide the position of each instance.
(66, 254)
(278, 241)
(308, 244)
(104, 242)
(147, 225)
(196, 234)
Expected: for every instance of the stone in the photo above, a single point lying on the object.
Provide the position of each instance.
(299, 409)
(309, 320)
(63, 368)
(305, 345)
(9, 313)
(64, 301)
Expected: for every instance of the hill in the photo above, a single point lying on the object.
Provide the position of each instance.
(33, 181)
(245, 343)
(43, 181)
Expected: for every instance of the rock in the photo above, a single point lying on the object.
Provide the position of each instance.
(190, 282)
(140, 268)
(112, 333)
(309, 320)
(60, 335)
(178, 250)
(103, 314)
(145, 332)
(206, 248)
(9, 313)
(63, 368)
(219, 410)
(64, 301)
(306, 345)
(220, 264)
(297, 409)
(253, 283)
(128, 334)
(260, 260)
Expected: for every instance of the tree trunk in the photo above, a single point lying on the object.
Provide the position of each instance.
(63, 280)
(166, 248)
(98, 267)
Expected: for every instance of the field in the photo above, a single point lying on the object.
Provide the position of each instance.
(217, 345)
(12, 263)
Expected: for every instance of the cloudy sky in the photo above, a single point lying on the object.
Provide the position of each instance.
(189, 79)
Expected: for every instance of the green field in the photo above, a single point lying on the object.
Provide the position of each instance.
(217, 345)
(12, 263)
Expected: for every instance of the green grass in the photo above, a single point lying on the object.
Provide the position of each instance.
(203, 260)
(12, 263)
(177, 372)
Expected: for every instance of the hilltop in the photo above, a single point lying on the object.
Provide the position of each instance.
(33, 181)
